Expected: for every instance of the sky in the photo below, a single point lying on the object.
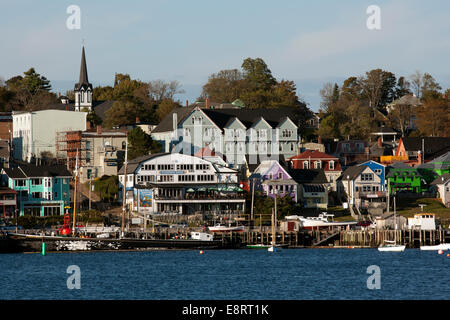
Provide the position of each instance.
(309, 42)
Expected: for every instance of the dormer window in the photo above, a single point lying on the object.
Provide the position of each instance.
(305, 165)
(331, 165)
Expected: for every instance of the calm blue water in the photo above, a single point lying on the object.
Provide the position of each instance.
(227, 274)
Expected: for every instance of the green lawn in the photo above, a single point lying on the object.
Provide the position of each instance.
(409, 207)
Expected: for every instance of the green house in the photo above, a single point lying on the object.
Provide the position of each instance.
(402, 177)
(41, 190)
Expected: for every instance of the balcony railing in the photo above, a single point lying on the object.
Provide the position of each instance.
(200, 197)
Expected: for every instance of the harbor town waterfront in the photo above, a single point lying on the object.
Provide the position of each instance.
(224, 159)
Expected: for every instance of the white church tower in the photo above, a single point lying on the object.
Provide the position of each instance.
(83, 89)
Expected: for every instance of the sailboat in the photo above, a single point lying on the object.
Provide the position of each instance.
(273, 247)
(392, 246)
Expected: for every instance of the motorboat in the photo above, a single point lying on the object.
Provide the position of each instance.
(391, 246)
(442, 246)
(322, 221)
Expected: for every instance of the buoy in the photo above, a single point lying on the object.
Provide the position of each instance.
(440, 252)
(448, 255)
(201, 252)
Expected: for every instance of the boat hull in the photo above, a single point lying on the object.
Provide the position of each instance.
(392, 248)
(442, 246)
(226, 229)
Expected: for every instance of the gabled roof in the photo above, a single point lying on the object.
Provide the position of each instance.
(313, 154)
(32, 171)
(352, 172)
(134, 163)
(311, 176)
(441, 162)
(166, 123)
(442, 179)
(433, 146)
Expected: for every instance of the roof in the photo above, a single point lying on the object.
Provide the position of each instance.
(313, 154)
(32, 171)
(254, 160)
(311, 176)
(134, 163)
(223, 117)
(442, 179)
(441, 162)
(408, 99)
(433, 146)
(166, 123)
(352, 172)
(83, 82)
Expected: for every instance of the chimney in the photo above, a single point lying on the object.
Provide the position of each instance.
(187, 103)
(138, 120)
(99, 129)
(380, 143)
(207, 103)
(175, 121)
(320, 140)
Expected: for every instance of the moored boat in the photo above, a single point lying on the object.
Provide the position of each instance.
(322, 221)
(391, 246)
(442, 246)
(223, 228)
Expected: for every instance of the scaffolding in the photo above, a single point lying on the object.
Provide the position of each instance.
(68, 144)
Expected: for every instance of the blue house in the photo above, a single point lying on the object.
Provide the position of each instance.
(379, 170)
(41, 190)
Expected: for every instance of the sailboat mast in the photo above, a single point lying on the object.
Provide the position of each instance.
(75, 196)
(395, 221)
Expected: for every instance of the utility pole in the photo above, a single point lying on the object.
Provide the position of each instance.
(125, 176)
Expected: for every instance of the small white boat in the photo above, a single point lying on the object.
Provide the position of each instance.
(442, 246)
(391, 246)
(272, 249)
(222, 228)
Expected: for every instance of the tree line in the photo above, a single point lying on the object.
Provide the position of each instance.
(361, 104)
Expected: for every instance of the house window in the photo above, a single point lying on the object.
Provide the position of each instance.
(37, 195)
(317, 164)
(305, 165)
(20, 183)
(280, 175)
(36, 182)
(187, 132)
(377, 171)
(331, 165)
(367, 177)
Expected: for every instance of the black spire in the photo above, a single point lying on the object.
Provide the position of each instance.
(83, 82)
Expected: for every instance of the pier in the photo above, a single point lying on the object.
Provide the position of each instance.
(179, 239)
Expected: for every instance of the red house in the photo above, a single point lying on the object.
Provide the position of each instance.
(313, 159)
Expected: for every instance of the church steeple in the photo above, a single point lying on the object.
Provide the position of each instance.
(83, 89)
